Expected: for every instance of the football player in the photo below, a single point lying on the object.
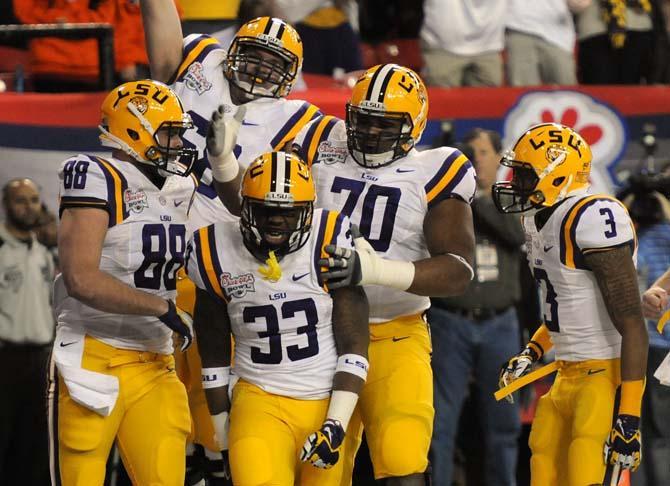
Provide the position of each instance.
(581, 250)
(402, 200)
(250, 80)
(295, 339)
(122, 240)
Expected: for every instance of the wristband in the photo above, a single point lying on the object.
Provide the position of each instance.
(215, 377)
(224, 167)
(354, 364)
(631, 397)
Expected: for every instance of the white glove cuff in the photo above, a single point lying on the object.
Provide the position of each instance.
(388, 273)
(220, 423)
(215, 377)
(224, 166)
(342, 405)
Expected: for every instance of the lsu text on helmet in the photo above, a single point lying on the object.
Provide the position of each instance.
(145, 119)
(386, 115)
(278, 197)
(549, 162)
(264, 58)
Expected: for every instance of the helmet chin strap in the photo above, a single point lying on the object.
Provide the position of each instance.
(564, 191)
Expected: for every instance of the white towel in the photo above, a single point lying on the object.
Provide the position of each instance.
(662, 373)
(96, 391)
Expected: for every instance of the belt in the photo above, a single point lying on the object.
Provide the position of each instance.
(478, 314)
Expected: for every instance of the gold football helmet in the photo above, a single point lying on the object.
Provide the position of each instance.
(264, 58)
(278, 197)
(145, 119)
(549, 161)
(386, 115)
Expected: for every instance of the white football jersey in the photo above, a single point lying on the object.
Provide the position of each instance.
(283, 332)
(574, 310)
(389, 204)
(268, 123)
(144, 246)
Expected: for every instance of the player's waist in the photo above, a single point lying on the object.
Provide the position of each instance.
(403, 325)
(578, 369)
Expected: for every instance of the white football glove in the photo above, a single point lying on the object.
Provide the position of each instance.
(221, 140)
(363, 266)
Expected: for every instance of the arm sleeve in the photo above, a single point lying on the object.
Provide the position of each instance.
(603, 223)
(202, 263)
(196, 48)
(322, 140)
(85, 182)
(455, 177)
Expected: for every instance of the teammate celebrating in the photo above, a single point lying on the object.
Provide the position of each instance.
(294, 340)
(246, 87)
(402, 200)
(581, 250)
(121, 241)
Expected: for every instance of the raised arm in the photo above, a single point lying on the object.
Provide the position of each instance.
(162, 30)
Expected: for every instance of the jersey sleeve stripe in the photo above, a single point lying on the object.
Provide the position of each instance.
(306, 113)
(451, 172)
(442, 171)
(318, 247)
(81, 202)
(116, 188)
(325, 125)
(196, 51)
(208, 261)
(570, 254)
(306, 141)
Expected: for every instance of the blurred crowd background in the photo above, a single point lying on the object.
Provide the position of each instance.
(452, 43)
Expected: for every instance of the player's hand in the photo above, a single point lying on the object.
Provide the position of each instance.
(623, 446)
(180, 322)
(654, 301)
(222, 132)
(517, 366)
(322, 448)
(345, 266)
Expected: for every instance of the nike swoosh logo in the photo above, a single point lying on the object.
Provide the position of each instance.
(178, 203)
(547, 248)
(62, 344)
(593, 372)
(403, 171)
(298, 277)
(249, 124)
(396, 339)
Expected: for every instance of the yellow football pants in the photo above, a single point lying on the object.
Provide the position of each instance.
(396, 404)
(571, 424)
(189, 370)
(266, 435)
(150, 421)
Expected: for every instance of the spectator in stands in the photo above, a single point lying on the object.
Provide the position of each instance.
(540, 40)
(327, 31)
(650, 211)
(73, 65)
(462, 42)
(615, 41)
(473, 333)
(26, 331)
